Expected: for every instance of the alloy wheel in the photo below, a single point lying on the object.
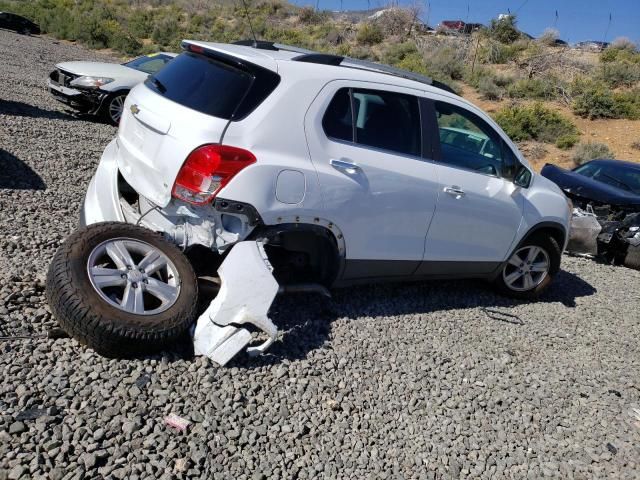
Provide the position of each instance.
(133, 276)
(116, 106)
(526, 269)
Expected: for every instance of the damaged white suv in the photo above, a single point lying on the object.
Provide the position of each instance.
(342, 171)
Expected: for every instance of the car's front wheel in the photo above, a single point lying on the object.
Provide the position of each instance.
(531, 268)
(113, 108)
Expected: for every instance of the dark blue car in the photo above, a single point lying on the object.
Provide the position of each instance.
(612, 189)
(600, 182)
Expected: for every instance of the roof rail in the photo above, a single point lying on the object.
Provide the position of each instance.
(321, 58)
(266, 45)
(261, 44)
(336, 60)
(310, 56)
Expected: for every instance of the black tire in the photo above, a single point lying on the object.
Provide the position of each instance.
(94, 322)
(106, 111)
(550, 246)
(632, 258)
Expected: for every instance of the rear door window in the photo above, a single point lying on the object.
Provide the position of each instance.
(212, 86)
(375, 118)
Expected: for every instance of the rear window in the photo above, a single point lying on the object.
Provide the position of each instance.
(213, 86)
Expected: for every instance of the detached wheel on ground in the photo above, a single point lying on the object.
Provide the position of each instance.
(112, 108)
(121, 289)
(531, 268)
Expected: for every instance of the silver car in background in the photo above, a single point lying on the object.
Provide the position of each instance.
(99, 88)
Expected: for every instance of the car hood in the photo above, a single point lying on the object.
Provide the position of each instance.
(587, 188)
(101, 69)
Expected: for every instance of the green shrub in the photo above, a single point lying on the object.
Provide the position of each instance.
(614, 54)
(565, 142)
(369, 34)
(396, 52)
(590, 151)
(594, 100)
(500, 53)
(627, 104)
(534, 88)
(414, 62)
(166, 31)
(141, 23)
(504, 30)
(310, 16)
(444, 63)
(534, 122)
(619, 73)
(489, 90)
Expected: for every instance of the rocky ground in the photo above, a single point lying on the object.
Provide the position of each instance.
(428, 380)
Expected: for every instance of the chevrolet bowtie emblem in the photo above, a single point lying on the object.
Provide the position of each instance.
(134, 109)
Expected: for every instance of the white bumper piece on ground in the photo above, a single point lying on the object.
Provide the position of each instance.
(247, 291)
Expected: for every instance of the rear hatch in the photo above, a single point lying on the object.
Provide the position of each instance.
(187, 104)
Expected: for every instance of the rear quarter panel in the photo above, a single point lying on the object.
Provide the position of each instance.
(274, 133)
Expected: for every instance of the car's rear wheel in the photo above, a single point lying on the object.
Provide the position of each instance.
(121, 290)
(113, 108)
(530, 268)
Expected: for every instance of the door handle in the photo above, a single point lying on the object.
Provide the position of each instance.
(345, 165)
(454, 191)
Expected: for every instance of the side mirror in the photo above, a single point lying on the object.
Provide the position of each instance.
(522, 177)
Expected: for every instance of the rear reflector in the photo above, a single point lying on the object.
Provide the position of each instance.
(207, 169)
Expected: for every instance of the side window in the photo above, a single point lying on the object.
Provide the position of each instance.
(469, 142)
(379, 119)
(387, 120)
(337, 121)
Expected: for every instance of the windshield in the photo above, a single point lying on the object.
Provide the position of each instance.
(619, 176)
(149, 63)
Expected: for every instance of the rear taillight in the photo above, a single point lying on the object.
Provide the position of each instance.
(207, 169)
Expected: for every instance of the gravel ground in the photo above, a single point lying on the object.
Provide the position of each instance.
(429, 380)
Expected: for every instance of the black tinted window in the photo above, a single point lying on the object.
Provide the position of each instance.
(385, 120)
(212, 86)
(469, 142)
(337, 121)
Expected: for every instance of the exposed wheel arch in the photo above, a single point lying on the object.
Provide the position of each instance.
(302, 252)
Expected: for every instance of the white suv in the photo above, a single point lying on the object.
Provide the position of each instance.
(349, 172)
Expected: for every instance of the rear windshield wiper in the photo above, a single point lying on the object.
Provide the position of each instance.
(159, 85)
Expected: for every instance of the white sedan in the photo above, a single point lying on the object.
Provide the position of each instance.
(100, 88)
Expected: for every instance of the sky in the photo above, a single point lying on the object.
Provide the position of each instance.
(577, 19)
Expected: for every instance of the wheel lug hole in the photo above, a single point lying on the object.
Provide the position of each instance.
(123, 276)
(134, 285)
(141, 270)
(145, 281)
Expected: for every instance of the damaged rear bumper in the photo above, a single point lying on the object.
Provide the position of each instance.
(247, 292)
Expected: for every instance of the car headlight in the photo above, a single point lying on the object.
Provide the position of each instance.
(90, 82)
